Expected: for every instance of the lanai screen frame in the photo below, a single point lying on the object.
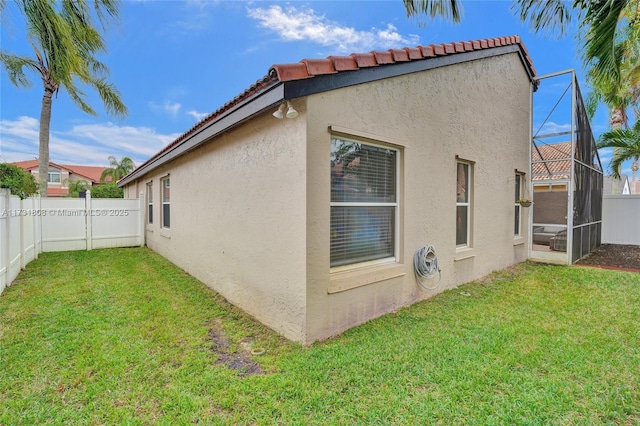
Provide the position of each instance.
(585, 186)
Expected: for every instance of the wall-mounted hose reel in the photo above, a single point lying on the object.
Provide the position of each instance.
(425, 264)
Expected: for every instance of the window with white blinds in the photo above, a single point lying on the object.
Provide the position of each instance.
(364, 202)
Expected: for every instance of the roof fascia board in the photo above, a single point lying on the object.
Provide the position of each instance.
(323, 83)
(231, 118)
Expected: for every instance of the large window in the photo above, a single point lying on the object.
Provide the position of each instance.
(463, 204)
(54, 176)
(364, 202)
(518, 207)
(150, 203)
(166, 203)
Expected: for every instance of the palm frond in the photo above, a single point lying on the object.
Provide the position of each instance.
(15, 64)
(601, 22)
(548, 16)
(447, 9)
(626, 145)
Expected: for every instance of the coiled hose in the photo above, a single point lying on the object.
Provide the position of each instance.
(425, 266)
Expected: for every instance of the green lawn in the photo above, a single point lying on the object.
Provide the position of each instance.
(123, 337)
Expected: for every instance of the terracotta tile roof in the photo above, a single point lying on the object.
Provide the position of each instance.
(33, 164)
(91, 173)
(57, 192)
(88, 172)
(309, 68)
(558, 161)
(26, 165)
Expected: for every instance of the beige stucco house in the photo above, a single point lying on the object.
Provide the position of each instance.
(310, 223)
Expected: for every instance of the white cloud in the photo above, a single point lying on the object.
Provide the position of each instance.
(551, 127)
(295, 24)
(167, 107)
(86, 144)
(197, 115)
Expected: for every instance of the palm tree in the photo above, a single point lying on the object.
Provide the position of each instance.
(76, 186)
(117, 169)
(626, 144)
(600, 22)
(618, 86)
(65, 42)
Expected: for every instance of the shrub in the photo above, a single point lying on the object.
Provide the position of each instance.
(20, 183)
(107, 190)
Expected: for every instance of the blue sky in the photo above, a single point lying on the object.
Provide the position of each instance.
(176, 61)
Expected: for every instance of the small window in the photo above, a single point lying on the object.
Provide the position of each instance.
(150, 203)
(518, 208)
(166, 203)
(364, 203)
(54, 176)
(463, 204)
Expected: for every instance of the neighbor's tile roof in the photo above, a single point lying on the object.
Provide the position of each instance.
(558, 161)
(308, 68)
(92, 173)
(88, 172)
(57, 192)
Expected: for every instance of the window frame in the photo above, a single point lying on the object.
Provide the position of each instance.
(468, 204)
(53, 171)
(517, 224)
(163, 215)
(150, 203)
(364, 204)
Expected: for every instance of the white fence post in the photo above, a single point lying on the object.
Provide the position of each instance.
(142, 221)
(5, 258)
(89, 220)
(37, 226)
(23, 243)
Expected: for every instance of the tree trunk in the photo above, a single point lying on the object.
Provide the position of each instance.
(634, 170)
(618, 120)
(43, 156)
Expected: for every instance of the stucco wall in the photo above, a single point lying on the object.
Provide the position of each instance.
(238, 218)
(478, 111)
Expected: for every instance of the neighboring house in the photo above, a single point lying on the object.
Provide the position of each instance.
(551, 174)
(59, 173)
(551, 168)
(613, 186)
(310, 223)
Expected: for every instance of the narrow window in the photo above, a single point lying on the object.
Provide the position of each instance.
(166, 211)
(364, 202)
(463, 204)
(517, 207)
(150, 203)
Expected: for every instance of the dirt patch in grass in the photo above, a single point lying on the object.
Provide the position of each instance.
(614, 256)
(237, 360)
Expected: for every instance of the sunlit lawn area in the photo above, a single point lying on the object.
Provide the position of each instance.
(123, 337)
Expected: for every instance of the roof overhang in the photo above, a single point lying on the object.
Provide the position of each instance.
(279, 91)
(232, 117)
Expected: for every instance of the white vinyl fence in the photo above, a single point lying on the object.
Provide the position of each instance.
(35, 225)
(621, 219)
